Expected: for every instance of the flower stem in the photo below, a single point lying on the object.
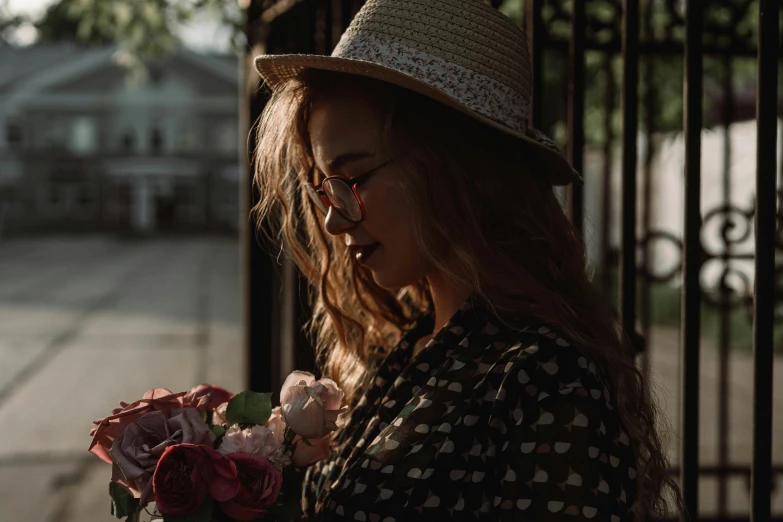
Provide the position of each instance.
(288, 438)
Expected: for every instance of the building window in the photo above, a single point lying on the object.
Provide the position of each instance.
(51, 199)
(185, 194)
(13, 134)
(54, 195)
(156, 140)
(56, 133)
(85, 198)
(10, 202)
(226, 139)
(188, 138)
(155, 74)
(128, 141)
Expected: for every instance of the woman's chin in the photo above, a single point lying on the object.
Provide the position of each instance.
(391, 276)
(391, 282)
(383, 278)
(383, 282)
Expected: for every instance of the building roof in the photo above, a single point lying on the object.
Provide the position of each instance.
(17, 63)
(27, 71)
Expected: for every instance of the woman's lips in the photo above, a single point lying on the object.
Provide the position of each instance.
(364, 253)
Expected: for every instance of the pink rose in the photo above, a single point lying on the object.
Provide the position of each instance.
(219, 415)
(109, 428)
(310, 407)
(276, 424)
(187, 473)
(207, 397)
(260, 484)
(136, 452)
(255, 441)
(280, 458)
(305, 455)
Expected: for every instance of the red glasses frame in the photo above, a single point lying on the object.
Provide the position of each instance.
(352, 183)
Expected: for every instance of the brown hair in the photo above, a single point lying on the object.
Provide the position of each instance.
(475, 196)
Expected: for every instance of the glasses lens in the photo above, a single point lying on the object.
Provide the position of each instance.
(317, 201)
(343, 199)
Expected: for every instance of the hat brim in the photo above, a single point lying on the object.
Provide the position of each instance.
(276, 69)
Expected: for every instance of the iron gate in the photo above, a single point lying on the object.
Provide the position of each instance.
(616, 43)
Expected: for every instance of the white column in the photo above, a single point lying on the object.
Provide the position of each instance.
(143, 210)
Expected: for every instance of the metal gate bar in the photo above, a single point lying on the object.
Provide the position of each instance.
(258, 302)
(608, 153)
(691, 260)
(535, 33)
(764, 305)
(630, 102)
(576, 110)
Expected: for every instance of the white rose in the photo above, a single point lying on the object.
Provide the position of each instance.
(309, 407)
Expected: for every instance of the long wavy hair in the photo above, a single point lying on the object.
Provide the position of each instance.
(477, 200)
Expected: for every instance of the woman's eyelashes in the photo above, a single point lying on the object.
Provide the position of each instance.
(320, 176)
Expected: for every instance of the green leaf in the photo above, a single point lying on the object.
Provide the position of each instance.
(202, 514)
(218, 430)
(249, 407)
(122, 502)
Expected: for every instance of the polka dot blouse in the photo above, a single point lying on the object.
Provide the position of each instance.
(485, 423)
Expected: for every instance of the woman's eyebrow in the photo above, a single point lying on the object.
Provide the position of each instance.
(335, 163)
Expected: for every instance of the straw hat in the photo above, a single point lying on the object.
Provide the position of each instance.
(463, 53)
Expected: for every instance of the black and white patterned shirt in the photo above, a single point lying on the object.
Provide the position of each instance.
(485, 423)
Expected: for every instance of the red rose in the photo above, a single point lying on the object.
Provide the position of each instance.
(187, 473)
(259, 487)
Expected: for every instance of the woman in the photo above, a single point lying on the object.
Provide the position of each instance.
(486, 378)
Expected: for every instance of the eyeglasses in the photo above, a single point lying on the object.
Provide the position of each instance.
(341, 193)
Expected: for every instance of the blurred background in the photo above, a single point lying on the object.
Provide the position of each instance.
(127, 261)
(119, 225)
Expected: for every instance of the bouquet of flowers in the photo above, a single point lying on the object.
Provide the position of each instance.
(207, 455)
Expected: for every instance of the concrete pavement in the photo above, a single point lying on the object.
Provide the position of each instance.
(666, 375)
(85, 323)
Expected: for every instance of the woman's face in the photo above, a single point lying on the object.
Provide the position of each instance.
(346, 135)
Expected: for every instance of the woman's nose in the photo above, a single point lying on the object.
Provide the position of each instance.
(336, 224)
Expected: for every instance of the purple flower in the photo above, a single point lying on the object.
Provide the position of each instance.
(136, 452)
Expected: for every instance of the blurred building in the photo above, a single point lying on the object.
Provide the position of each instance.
(84, 149)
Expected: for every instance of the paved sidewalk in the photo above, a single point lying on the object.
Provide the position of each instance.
(85, 323)
(665, 359)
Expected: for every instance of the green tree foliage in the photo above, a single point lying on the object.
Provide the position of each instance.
(728, 24)
(60, 24)
(8, 22)
(143, 30)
